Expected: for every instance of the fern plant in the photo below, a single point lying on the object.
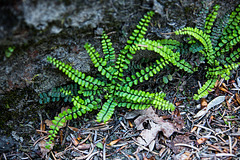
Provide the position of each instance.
(112, 88)
(219, 49)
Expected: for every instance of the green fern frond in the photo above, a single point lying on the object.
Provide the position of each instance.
(77, 76)
(55, 94)
(100, 63)
(127, 53)
(146, 73)
(203, 91)
(211, 18)
(231, 33)
(107, 48)
(112, 87)
(107, 110)
(167, 54)
(203, 38)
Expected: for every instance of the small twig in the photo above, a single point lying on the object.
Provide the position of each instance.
(66, 133)
(95, 136)
(68, 147)
(104, 148)
(4, 156)
(146, 148)
(225, 154)
(111, 33)
(236, 109)
(84, 157)
(186, 145)
(215, 147)
(125, 154)
(205, 128)
(221, 138)
(53, 155)
(38, 130)
(224, 131)
(137, 158)
(28, 156)
(83, 141)
(123, 125)
(230, 144)
(39, 140)
(209, 136)
(90, 156)
(116, 150)
(119, 145)
(218, 155)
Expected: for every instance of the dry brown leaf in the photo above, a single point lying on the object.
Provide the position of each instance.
(201, 140)
(203, 103)
(135, 113)
(114, 142)
(225, 90)
(42, 144)
(130, 124)
(237, 98)
(193, 129)
(74, 140)
(150, 124)
(178, 103)
(216, 101)
(84, 146)
(73, 129)
(48, 122)
(179, 139)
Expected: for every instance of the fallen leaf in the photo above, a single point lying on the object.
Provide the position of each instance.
(201, 140)
(130, 124)
(83, 146)
(179, 139)
(131, 115)
(42, 144)
(203, 102)
(73, 128)
(74, 140)
(99, 145)
(178, 103)
(114, 142)
(151, 145)
(216, 101)
(150, 124)
(237, 98)
(48, 122)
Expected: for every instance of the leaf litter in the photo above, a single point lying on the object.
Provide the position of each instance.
(209, 132)
(150, 125)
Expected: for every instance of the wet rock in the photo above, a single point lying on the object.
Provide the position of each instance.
(10, 12)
